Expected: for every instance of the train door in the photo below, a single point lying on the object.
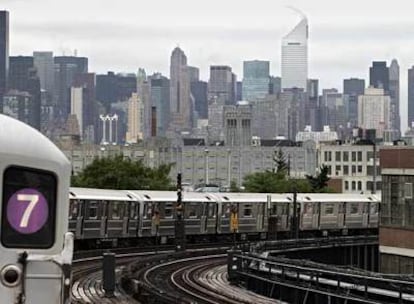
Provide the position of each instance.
(341, 214)
(133, 219)
(76, 217)
(365, 214)
(125, 220)
(203, 218)
(104, 219)
(261, 209)
(316, 215)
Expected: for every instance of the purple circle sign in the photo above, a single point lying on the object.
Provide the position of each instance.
(27, 211)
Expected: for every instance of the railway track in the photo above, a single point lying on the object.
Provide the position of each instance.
(87, 282)
(201, 279)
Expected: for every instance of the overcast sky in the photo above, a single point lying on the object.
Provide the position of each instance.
(345, 36)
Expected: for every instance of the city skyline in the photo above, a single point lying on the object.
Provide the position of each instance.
(239, 33)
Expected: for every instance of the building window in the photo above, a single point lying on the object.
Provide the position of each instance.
(359, 169)
(353, 185)
(338, 156)
(359, 156)
(329, 170)
(346, 170)
(326, 156)
(337, 170)
(353, 169)
(346, 156)
(346, 185)
(359, 185)
(408, 190)
(354, 157)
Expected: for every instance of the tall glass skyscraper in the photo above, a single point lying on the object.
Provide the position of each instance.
(295, 56)
(4, 52)
(255, 84)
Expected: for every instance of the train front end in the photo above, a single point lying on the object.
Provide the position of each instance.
(35, 248)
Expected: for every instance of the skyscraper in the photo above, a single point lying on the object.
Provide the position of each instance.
(160, 99)
(222, 85)
(44, 64)
(199, 92)
(394, 86)
(66, 67)
(411, 97)
(255, 84)
(379, 76)
(295, 56)
(4, 53)
(135, 119)
(374, 111)
(23, 78)
(353, 88)
(180, 105)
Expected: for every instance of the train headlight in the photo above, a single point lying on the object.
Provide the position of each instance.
(11, 275)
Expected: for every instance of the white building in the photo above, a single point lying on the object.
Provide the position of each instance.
(325, 136)
(353, 164)
(374, 111)
(135, 119)
(295, 56)
(76, 106)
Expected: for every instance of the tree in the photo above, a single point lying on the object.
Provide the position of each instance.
(270, 182)
(120, 173)
(280, 164)
(234, 187)
(319, 183)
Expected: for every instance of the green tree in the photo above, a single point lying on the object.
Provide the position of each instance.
(120, 173)
(319, 183)
(270, 182)
(280, 164)
(234, 187)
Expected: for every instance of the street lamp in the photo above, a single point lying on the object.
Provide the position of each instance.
(228, 167)
(206, 166)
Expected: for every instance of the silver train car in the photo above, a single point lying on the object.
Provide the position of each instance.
(108, 218)
(35, 248)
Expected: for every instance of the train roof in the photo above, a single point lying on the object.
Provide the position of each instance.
(336, 197)
(100, 194)
(22, 142)
(170, 196)
(253, 197)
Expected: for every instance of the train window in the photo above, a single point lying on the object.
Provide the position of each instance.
(73, 209)
(308, 208)
(329, 208)
(133, 212)
(354, 208)
(374, 208)
(212, 210)
(408, 190)
(168, 210)
(29, 208)
(116, 210)
(92, 210)
(191, 210)
(247, 210)
(226, 210)
(148, 210)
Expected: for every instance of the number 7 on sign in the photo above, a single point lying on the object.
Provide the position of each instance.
(33, 200)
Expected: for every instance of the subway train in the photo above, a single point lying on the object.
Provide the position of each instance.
(36, 249)
(118, 218)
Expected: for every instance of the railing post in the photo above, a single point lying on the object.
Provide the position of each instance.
(108, 274)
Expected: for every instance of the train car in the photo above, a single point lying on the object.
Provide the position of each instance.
(280, 213)
(337, 212)
(158, 214)
(35, 249)
(251, 210)
(102, 217)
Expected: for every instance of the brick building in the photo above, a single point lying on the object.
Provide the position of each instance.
(397, 210)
